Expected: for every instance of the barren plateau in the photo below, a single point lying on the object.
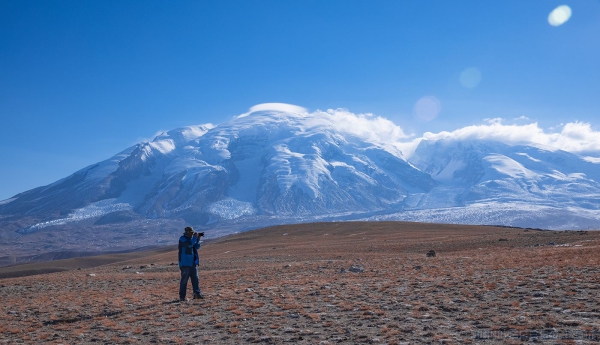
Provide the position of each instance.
(323, 283)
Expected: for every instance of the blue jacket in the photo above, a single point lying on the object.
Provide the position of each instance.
(188, 251)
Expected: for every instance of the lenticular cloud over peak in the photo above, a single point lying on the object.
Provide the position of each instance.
(275, 107)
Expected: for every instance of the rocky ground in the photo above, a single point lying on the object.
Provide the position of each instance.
(331, 283)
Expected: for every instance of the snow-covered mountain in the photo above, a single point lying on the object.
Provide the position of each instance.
(272, 167)
(267, 163)
(487, 182)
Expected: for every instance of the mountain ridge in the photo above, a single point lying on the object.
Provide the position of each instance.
(272, 167)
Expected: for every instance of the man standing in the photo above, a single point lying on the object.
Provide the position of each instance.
(189, 244)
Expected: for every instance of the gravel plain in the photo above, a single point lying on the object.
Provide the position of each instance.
(328, 283)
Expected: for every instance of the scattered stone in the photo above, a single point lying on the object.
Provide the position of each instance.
(503, 240)
(265, 339)
(249, 290)
(572, 323)
(356, 269)
(431, 254)
(343, 270)
(126, 267)
(92, 275)
(417, 267)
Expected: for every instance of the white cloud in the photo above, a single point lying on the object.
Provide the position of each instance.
(371, 128)
(576, 137)
(366, 126)
(595, 160)
(496, 120)
(495, 130)
(281, 107)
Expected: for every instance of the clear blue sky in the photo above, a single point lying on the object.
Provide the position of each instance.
(83, 80)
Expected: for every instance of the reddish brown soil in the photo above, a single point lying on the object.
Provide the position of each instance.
(294, 284)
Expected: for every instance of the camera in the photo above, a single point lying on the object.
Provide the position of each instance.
(199, 234)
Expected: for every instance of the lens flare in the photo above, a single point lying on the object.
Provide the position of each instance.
(559, 15)
(470, 77)
(427, 108)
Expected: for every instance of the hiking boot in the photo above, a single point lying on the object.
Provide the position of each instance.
(198, 296)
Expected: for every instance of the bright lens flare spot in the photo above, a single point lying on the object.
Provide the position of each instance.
(470, 77)
(560, 15)
(427, 108)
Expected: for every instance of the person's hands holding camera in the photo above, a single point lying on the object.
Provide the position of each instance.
(199, 234)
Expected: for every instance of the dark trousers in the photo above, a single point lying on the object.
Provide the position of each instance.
(188, 272)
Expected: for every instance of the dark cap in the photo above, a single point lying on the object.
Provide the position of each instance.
(189, 229)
